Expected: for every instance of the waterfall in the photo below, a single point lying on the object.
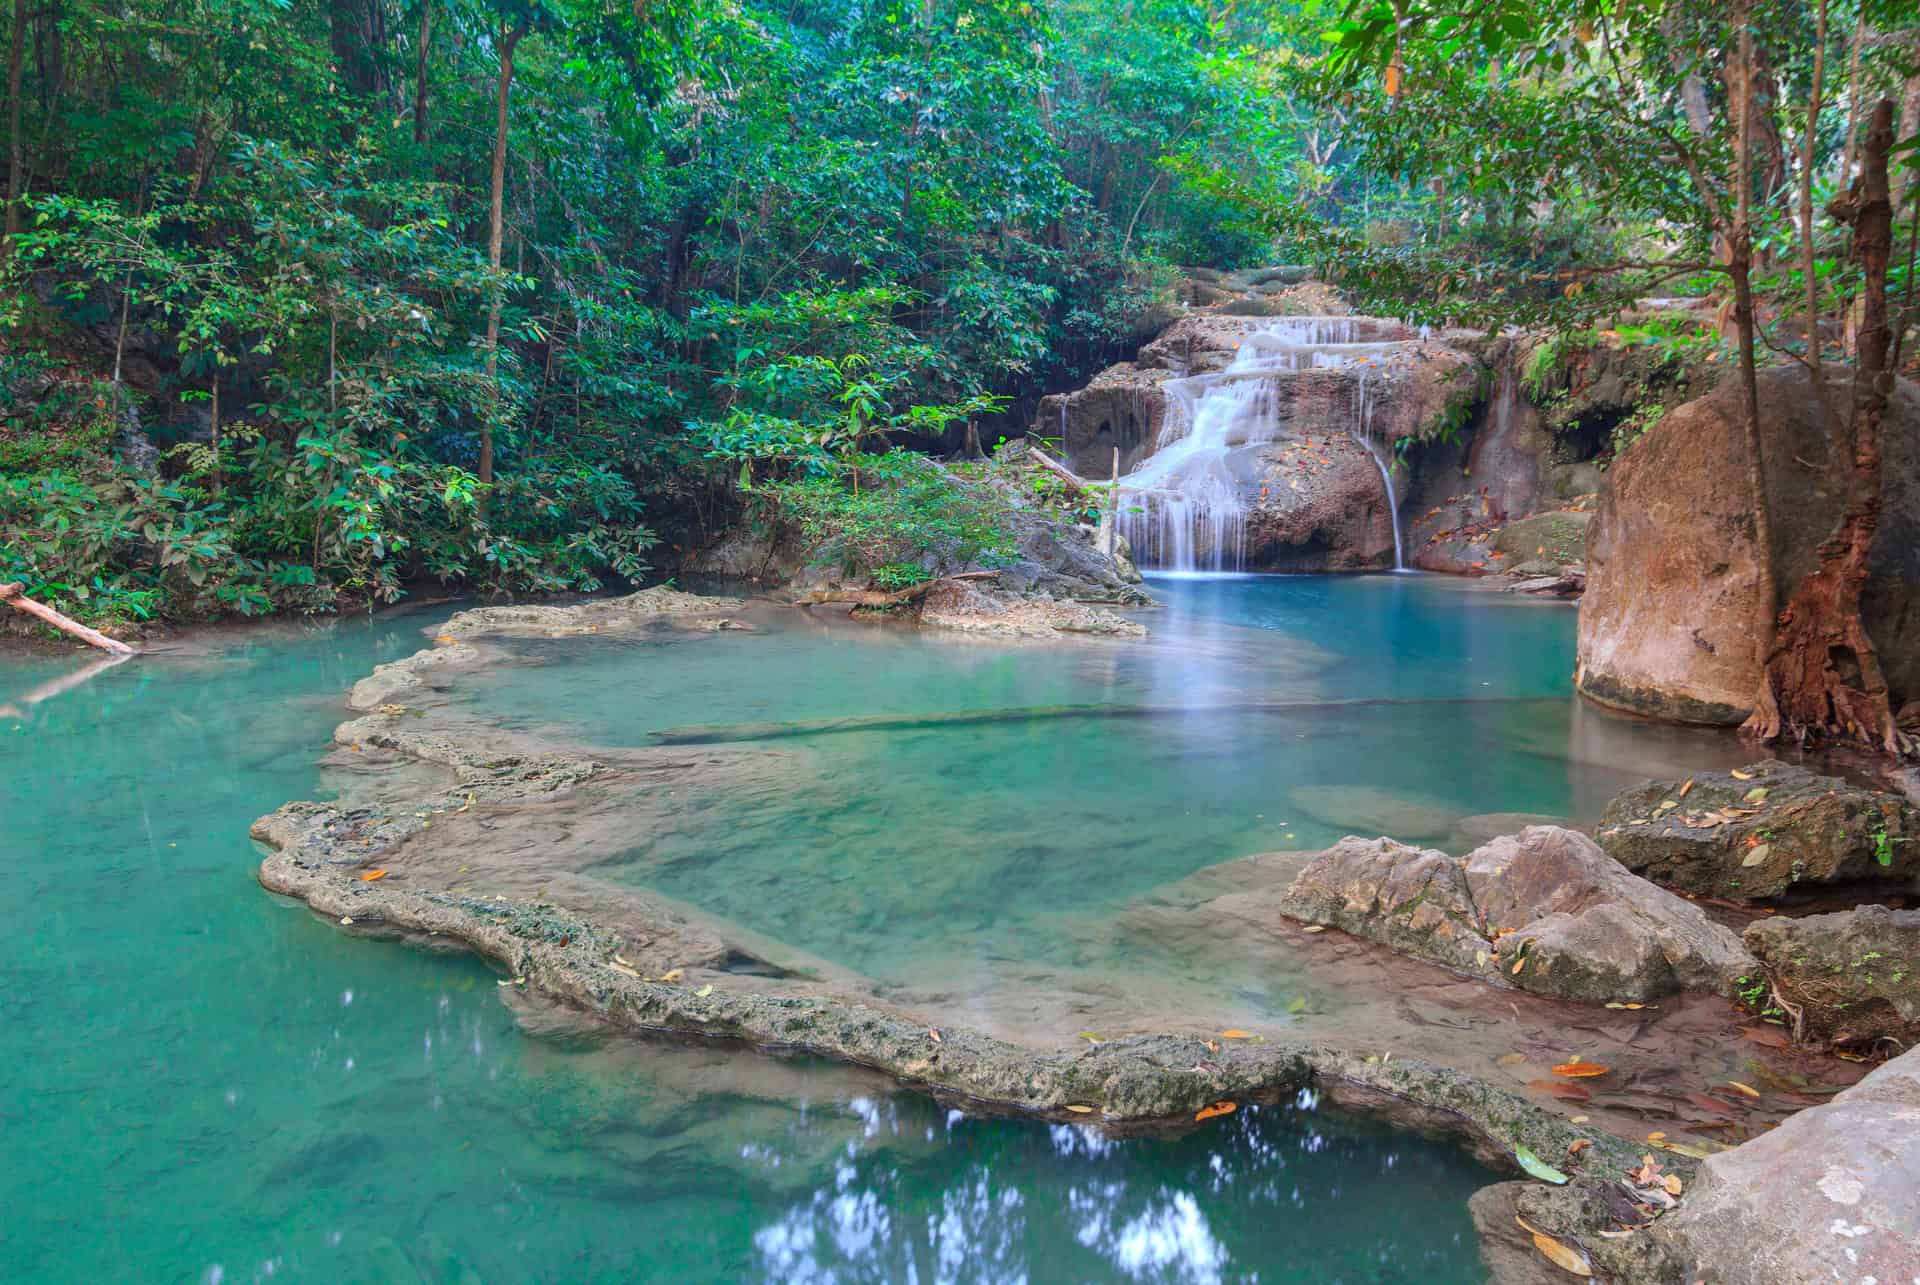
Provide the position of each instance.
(1362, 432)
(1188, 511)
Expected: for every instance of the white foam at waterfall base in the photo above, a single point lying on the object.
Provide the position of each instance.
(1187, 511)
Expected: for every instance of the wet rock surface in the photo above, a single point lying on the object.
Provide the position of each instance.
(1850, 977)
(1669, 627)
(968, 608)
(1832, 1194)
(1760, 831)
(1545, 910)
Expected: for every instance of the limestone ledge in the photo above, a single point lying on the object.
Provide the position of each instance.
(320, 854)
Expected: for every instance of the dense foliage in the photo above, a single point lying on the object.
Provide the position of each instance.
(490, 291)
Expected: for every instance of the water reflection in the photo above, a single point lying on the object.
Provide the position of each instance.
(1280, 1193)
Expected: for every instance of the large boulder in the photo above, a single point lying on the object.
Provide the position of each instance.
(1590, 930)
(1832, 1194)
(1415, 900)
(1758, 831)
(1851, 977)
(1671, 623)
(1545, 910)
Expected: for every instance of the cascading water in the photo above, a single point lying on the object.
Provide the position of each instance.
(1188, 511)
(1362, 432)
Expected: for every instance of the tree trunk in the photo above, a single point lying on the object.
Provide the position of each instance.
(495, 239)
(1740, 269)
(1806, 200)
(16, 157)
(357, 31)
(1823, 677)
(420, 71)
(219, 472)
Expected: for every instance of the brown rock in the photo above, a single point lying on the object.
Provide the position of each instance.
(1590, 930)
(1578, 926)
(1852, 977)
(1415, 900)
(1756, 835)
(1832, 1194)
(1671, 623)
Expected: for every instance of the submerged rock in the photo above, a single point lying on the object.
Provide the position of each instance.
(1758, 831)
(1852, 977)
(1832, 1194)
(1545, 910)
(1669, 627)
(1376, 809)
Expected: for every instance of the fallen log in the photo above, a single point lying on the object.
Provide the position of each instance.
(1067, 475)
(15, 594)
(884, 597)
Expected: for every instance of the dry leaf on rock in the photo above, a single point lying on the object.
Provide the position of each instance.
(1565, 1257)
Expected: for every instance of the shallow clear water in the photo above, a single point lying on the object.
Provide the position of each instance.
(950, 856)
(198, 1083)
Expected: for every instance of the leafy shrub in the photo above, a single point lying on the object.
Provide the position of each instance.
(885, 510)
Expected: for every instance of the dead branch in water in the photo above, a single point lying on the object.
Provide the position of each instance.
(15, 594)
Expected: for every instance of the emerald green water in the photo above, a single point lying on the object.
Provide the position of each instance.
(199, 1084)
(954, 858)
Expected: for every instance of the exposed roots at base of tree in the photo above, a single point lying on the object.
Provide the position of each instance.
(1823, 680)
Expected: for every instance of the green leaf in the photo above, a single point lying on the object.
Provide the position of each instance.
(1538, 1168)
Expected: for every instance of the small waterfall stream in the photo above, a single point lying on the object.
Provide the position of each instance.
(1362, 432)
(1187, 510)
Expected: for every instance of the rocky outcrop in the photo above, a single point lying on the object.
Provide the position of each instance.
(1756, 832)
(966, 607)
(1832, 1194)
(591, 617)
(1851, 977)
(1671, 623)
(1286, 484)
(1412, 899)
(1590, 930)
(1545, 910)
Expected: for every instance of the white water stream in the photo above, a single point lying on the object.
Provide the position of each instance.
(1187, 508)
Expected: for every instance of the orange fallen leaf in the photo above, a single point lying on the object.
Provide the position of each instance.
(1580, 1070)
(371, 875)
(1218, 1108)
(1235, 1034)
(1561, 1256)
